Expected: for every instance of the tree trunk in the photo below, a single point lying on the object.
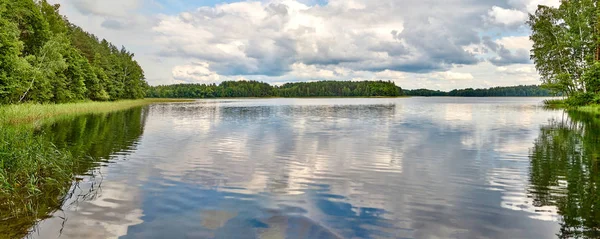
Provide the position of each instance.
(28, 89)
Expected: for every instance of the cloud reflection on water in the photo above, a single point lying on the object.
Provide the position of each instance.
(365, 168)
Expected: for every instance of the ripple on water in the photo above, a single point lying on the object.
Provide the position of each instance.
(315, 168)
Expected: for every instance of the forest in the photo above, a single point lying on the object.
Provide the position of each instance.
(521, 90)
(327, 89)
(46, 59)
(260, 89)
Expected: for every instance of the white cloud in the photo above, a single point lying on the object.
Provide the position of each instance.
(118, 8)
(522, 70)
(199, 72)
(412, 42)
(313, 72)
(516, 42)
(449, 75)
(388, 74)
(267, 38)
(531, 5)
(507, 17)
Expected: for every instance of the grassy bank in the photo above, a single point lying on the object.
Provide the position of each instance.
(563, 104)
(35, 113)
(34, 175)
(556, 104)
(593, 109)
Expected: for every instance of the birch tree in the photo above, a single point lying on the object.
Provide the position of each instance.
(565, 44)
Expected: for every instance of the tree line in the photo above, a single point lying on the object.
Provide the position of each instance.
(261, 89)
(566, 49)
(45, 58)
(520, 91)
(327, 89)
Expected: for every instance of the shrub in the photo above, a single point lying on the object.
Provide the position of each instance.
(581, 99)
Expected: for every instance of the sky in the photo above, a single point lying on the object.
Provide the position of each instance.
(431, 44)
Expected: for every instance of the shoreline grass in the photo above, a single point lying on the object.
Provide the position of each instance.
(562, 104)
(37, 168)
(593, 109)
(36, 113)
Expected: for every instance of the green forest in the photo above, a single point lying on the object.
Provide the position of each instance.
(327, 89)
(44, 58)
(566, 49)
(260, 89)
(521, 90)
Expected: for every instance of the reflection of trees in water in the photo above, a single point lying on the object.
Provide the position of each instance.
(565, 174)
(95, 138)
(89, 140)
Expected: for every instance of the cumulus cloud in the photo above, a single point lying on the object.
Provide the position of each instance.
(197, 72)
(294, 40)
(118, 8)
(267, 38)
(506, 56)
(390, 75)
(113, 24)
(521, 70)
(531, 5)
(508, 17)
(516, 42)
(449, 75)
(520, 74)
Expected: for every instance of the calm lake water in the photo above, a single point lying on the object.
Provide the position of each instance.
(332, 168)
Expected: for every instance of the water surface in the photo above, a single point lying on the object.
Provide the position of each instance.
(336, 168)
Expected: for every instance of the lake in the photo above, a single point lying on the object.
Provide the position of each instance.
(331, 168)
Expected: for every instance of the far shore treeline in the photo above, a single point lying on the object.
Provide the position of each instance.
(521, 90)
(44, 58)
(326, 89)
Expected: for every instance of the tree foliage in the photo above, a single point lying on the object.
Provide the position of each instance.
(521, 90)
(327, 89)
(339, 88)
(566, 45)
(45, 58)
(260, 89)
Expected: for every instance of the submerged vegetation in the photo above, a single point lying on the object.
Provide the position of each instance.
(37, 167)
(44, 58)
(566, 50)
(33, 177)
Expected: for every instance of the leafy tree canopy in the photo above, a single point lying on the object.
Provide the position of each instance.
(566, 46)
(44, 58)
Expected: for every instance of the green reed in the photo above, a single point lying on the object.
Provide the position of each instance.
(38, 165)
(36, 113)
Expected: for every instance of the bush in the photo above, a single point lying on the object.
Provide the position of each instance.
(581, 99)
(555, 103)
